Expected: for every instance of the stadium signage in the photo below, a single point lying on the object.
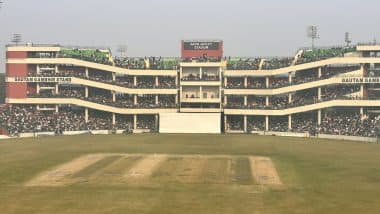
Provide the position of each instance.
(42, 79)
(201, 45)
(354, 80)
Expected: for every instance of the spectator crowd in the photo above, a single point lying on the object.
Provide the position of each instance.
(16, 119)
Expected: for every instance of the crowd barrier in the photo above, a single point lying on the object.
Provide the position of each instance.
(139, 131)
(348, 138)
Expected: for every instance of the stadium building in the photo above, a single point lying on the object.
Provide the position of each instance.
(331, 90)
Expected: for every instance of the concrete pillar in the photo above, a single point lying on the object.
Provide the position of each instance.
(134, 81)
(176, 81)
(86, 72)
(225, 123)
(113, 96)
(266, 123)
(201, 94)
(156, 99)
(361, 111)
(157, 83)
(362, 69)
(245, 124)
(56, 69)
(56, 109)
(319, 72)
(135, 99)
(176, 99)
(113, 76)
(319, 93)
(245, 100)
(267, 82)
(86, 115)
(156, 121)
(245, 82)
(362, 90)
(113, 119)
(56, 88)
(38, 107)
(290, 122)
(200, 72)
(135, 121)
(290, 98)
(319, 117)
(86, 91)
(225, 82)
(290, 77)
(267, 100)
(180, 74)
(38, 69)
(225, 100)
(38, 88)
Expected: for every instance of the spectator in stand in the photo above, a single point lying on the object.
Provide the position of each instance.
(166, 82)
(235, 124)
(146, 82)
(235, 82)
(349, 123)
(330, 71)
(278, 124)
(279, 82)
(191, 77)
(130, 63)
(254, 83)
(304, 123)
(243, 64)
(276, 63)
(22, 119)
(147, 122)
(256, 124)
(316, 54)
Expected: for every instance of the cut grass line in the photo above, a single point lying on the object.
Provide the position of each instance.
(96, 166)
(241, 171)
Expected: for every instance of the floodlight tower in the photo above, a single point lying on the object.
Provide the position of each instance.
(16, 38)
(312, 32)
(347, 39)
(122, 50)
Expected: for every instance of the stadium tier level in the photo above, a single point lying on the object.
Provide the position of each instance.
(320, 91)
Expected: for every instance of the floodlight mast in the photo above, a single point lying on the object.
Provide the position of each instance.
(16, 38)
(122, 50)
(312, 32)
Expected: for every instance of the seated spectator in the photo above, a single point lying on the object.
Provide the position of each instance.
(243, 64)
(276, 63)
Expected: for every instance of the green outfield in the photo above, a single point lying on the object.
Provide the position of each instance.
(156, 173)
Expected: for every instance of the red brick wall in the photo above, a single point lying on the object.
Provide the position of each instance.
(15, 90)
(17, 70)
(17, 54)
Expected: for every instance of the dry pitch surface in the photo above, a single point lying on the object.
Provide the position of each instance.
(161, 168)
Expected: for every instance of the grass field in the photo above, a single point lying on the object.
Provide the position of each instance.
(318, 176)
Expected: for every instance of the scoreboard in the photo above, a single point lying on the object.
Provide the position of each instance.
(202, 48)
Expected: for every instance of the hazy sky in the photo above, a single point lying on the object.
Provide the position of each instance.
(153, 27)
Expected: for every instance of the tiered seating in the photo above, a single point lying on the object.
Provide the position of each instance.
(243, 63)
(89, 55)
(276, 63)
(312, 55)
(159, 63)
(130, 63)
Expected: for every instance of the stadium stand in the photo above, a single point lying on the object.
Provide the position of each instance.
(97, 91)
